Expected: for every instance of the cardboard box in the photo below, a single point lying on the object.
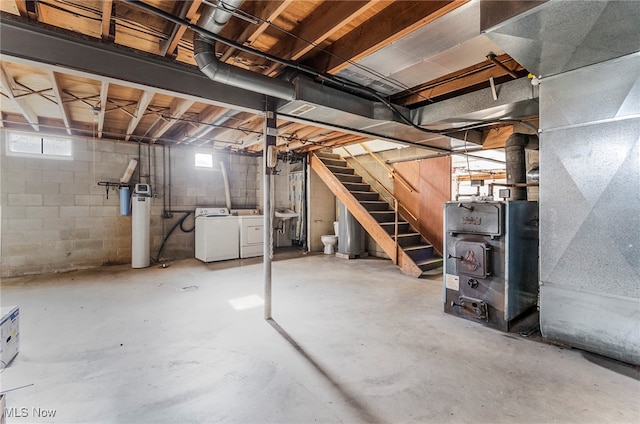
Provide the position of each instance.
(10, 333)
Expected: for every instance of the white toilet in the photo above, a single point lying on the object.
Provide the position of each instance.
(330, 240)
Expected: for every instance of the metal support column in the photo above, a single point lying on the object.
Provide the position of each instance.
(269, 164)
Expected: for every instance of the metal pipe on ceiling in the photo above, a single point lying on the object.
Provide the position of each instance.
(204, 49)
(432, 155)
(205, 56)
(206, 34)
(215, 18)
(204, 53)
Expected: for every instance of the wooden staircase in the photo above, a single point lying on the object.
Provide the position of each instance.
(412, 254)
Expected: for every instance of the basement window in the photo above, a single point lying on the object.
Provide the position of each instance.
(24, 144)
(204, 160)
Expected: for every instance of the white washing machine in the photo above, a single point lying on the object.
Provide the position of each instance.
(217, 236)
(251, 236)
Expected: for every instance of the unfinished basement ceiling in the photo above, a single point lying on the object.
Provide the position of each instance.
(150, 89)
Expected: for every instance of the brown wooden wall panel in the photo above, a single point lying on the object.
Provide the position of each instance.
(433, 181)
(435, 189)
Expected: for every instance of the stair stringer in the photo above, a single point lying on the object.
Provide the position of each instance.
(370, 225)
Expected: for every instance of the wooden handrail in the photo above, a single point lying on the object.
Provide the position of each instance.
(381, 185)
(390, 170)
(363, 216)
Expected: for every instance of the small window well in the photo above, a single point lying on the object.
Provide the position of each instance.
(37, 145)
(204, 160)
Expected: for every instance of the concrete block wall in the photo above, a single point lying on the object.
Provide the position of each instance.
(56, 218)
(54, 215)
(193, 187)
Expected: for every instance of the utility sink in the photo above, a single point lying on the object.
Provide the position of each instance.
(281, 218)
(285, 214)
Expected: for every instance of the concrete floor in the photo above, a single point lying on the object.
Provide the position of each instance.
(353, 341)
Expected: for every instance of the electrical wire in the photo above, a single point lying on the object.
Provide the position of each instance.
(339, 81)
(349, 61)
(292, 64)
(129, 24)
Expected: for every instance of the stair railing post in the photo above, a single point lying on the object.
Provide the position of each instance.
(395, 226)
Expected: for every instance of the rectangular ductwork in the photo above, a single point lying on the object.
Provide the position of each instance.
(320, 104)
(551, 37)
(588, 55)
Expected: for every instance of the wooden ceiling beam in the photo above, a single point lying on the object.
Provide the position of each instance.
(268, 11)
(498, 175)
(306, 138)
(141, 108)
(244, 119)
(107, 30)
(55, 85)
(285, 128)
(102, 109)
(21, 5)
(467, 77)
(7, 84)
(211, 114)
(187, 11)
(178, 108)
(301, 132)
(27, 9)
(391, 24)
(321, 24)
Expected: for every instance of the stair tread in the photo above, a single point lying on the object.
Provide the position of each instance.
(407, 235)
(418, 247)
(429, 261)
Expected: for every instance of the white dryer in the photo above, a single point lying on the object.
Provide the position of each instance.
(251, 235)
(217, 236)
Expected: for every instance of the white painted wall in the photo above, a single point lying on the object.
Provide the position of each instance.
(322, 211)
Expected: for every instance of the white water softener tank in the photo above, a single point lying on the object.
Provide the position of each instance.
(140, 226)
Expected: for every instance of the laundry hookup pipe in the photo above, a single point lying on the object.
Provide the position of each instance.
(225, 178)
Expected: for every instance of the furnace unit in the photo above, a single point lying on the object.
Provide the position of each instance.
(491, 261)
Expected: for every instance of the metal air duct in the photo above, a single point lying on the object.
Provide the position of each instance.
(204, 53)
(516, 162)
(304, 100)
(215, 18)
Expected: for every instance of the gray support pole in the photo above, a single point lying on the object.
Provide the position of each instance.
(270, 130)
